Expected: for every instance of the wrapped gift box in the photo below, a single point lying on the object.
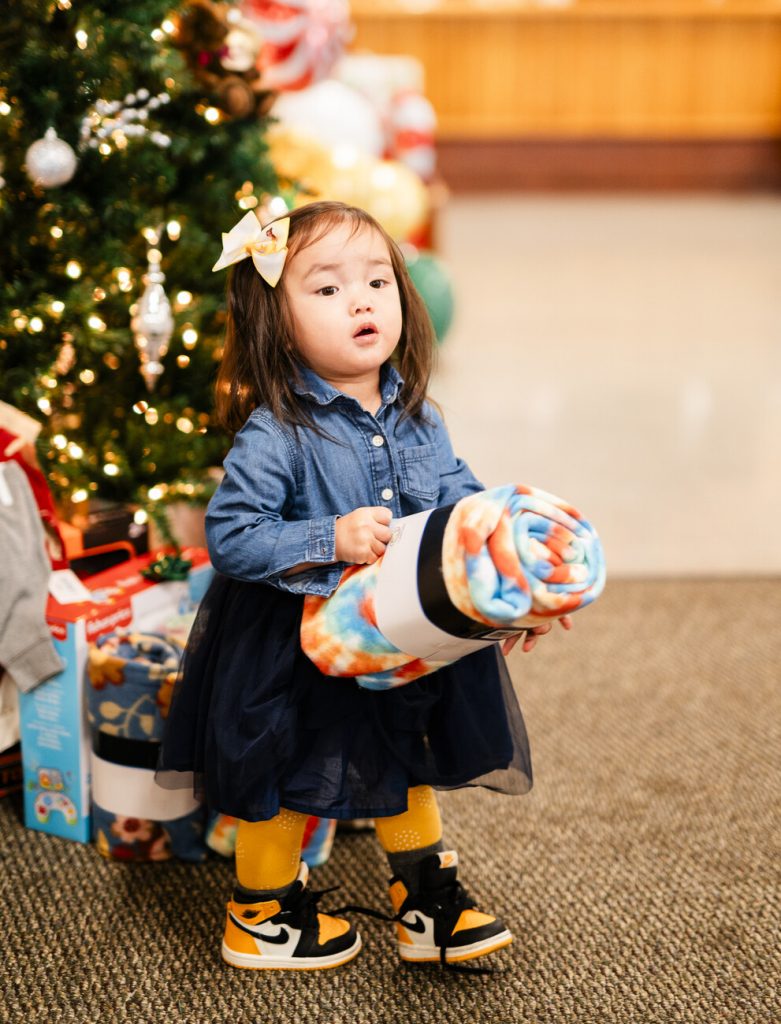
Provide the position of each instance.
(55, 732)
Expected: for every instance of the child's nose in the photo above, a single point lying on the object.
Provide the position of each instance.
(363, 304)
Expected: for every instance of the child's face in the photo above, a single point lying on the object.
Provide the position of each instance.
(345, 304)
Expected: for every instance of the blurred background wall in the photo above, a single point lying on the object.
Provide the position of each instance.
(597, 93)
(612, 231)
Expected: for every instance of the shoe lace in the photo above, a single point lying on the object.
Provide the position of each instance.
(445, 903)
(300, 909)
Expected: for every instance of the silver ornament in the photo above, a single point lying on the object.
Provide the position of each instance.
(50, 161)
(153, 324)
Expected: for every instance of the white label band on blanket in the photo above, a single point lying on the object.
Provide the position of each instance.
(397, 606)
(133, 793)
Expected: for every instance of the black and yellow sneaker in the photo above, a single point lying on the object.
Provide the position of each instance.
(437, 920)
(287, 933)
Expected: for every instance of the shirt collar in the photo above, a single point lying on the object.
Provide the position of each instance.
(309, 385)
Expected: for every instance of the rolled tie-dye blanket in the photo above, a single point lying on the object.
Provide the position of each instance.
(453, 580)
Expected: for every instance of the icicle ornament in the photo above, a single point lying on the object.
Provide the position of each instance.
(153, 323)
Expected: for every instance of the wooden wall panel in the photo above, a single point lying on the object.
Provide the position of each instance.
(608, 69)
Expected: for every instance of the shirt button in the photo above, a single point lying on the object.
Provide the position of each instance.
(387, 494)
(378, 440)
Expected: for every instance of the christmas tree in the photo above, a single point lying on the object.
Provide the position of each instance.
(131, 136)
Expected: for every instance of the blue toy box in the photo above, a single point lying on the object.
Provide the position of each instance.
(56, 738)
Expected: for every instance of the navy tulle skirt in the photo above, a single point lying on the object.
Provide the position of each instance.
(262, 728)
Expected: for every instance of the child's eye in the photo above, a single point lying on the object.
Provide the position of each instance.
(377, 283)
(328, 289)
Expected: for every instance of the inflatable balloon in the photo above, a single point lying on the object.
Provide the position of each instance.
(397, 198)
(432, 281)
(388, 190)
(333, 115)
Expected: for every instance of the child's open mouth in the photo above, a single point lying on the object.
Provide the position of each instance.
(365, 330)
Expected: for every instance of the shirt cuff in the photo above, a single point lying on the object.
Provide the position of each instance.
(321, 542)
(35, 665)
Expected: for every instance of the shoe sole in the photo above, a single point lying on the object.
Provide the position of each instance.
(431, 954)
(252, 962)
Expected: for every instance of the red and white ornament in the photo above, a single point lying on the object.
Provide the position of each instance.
(302, 39)
(411, 127)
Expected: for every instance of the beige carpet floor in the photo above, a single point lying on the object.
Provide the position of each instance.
(641, 876)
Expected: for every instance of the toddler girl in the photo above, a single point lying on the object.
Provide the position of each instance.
(324, 376)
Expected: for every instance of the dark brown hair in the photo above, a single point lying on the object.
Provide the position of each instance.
(260, 364)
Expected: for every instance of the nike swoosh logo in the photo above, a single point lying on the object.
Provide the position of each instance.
(418, 925)
(280, 939)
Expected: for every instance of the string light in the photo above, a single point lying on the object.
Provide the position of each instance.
(174, 229)
(189, 337)
(75, 450)
(212, 115)
(73, 269)
(186, 426)
(156, 493)
(60, 441)
(151, 416)
(184, 298)
(49, 382)
(82, 39)
(57, 307)
(36, 325)
(79, 495)
(55, 232)
(182, 361)
(5, 109)
(98, 294)
(20, 322)
(111, 469)
(140, 408)
(125, 278)
(140, 516)
(44, 405)
(87, 377)
(168, 26)
(96, 324)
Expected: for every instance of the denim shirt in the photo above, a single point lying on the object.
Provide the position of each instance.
(284, 488)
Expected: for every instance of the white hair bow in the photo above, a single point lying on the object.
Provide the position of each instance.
(266, 245)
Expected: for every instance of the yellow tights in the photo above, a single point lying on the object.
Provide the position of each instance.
(268, 852)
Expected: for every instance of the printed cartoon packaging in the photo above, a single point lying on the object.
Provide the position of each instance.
(56, 738)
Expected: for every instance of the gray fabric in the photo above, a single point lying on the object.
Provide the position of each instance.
(242, 895)
(407, 863)
(640, 877)
(26, 649)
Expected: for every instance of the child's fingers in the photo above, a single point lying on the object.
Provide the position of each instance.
(529, 641)
(381, 514)
(378, 548)
(566, 621)
(383, 533)
(509, 643)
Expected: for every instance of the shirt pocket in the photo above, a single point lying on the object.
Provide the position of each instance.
(420, 472)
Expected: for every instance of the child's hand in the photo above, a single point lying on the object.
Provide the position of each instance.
(529, 636)
(362, 535)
